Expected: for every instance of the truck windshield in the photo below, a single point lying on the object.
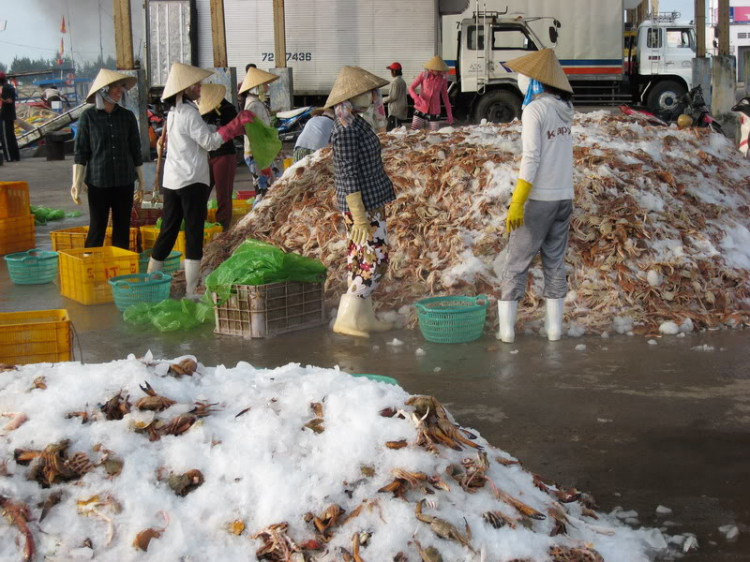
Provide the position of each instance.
(503, 39)
(680, 39)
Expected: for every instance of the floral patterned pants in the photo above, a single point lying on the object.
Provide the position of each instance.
(369, 262)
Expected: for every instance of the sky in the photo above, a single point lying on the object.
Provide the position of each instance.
(33, 27)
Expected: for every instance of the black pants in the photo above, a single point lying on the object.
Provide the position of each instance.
(393, 122)
(187, 203)
(10, 146)
(103, 199)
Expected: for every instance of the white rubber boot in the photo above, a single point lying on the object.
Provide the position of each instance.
(553, 319)
(154, 265)
(369, 321)
(506, 313)
(349, 320)
(192, 276)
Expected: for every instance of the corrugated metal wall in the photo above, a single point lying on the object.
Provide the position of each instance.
(170, 41)
(324, 35)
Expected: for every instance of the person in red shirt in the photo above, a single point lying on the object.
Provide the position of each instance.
(433, 85)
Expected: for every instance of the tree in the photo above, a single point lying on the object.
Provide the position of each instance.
(3, 68)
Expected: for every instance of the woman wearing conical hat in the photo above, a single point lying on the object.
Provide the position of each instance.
(362, 191)
(433, 86)
(222, 162)
(186, 173)
(542, 202)
(255, 89)
(108, 159)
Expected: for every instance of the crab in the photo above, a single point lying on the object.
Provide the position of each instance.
(183, 484)
(522, 508)
(429, 554)
(498, 519)
(116, 407)
(328, 519)
(153, 402)
(52, 465)
(277, 546)
(94, 506)
(186, 367)
(19, 515)
(568, 554)
(443, 529)
(143, 539)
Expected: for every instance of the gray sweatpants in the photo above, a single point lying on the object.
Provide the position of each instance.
(545, 228)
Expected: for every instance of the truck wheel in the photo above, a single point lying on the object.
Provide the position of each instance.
(498, 106)
(665, 96)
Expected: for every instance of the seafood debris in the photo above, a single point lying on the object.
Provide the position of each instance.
(394, 477)
(657, 234)
(186, 367)
(17, 419)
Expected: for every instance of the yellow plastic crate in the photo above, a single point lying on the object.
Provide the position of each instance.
(75, 237)
(149, 234)
(14, 199)
(84, 272)
(37, 336)
(17, 234)
(240, 207)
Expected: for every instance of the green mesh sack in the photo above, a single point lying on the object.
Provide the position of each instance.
(264, 143)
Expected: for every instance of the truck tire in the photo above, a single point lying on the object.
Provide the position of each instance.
(498, 106)
(665, 96)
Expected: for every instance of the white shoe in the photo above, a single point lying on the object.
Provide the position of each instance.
(192, 276)
(506, 313)
(553, 319)
(350, 319)
(154, 265)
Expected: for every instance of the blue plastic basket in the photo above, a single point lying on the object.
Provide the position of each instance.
(140, 287)
(34, 267)
(171, 264)
(452, 319)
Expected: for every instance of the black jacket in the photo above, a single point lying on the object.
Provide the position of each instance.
(228, 112)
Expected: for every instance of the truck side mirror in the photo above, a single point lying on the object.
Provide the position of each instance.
(553, 34)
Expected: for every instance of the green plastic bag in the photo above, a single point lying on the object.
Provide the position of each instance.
(170, 315)
(258, 263)
(212, 204)
(264, 143)
(42, 215)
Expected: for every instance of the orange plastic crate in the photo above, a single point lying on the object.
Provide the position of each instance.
(14, 199)
(149, 234)
(84, 272)
(75, 237)
(37, 336)
(17, 234)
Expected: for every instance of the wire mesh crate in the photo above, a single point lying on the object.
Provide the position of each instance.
(261, 311)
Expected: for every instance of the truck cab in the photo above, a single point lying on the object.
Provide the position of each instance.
(664, 61)
(486, 42)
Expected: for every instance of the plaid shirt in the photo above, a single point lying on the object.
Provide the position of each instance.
(109, 145)
(358, 166)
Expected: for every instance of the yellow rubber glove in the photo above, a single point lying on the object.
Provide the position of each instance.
(138, 195)
(361, 228)
(515, 212)
(79, 172)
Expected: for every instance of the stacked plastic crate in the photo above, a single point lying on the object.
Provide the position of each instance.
(17, 230)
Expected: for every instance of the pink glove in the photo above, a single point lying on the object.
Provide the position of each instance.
(236, 126)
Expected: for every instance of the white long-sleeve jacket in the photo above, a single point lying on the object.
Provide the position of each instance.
(547, 161)
(188, 143)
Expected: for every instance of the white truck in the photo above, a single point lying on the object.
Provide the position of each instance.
(587, 35)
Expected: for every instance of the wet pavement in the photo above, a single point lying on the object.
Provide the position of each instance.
(634, 424)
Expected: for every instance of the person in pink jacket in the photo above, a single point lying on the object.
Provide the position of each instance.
(433, 85)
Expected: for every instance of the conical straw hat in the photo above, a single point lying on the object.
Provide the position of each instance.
(211, 96)
(183, 76)
(256, 77)
(107, 77)
(436, 63)
(353, 81)
(544, 67)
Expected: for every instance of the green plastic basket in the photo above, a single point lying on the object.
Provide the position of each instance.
(452, 319)
(140, 287)
(379, 378)
(34, 267)
(171, 264)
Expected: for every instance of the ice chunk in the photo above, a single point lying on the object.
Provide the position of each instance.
(513, 352)
(632, 514)
(605, 335)
(603, 420)
(654, 278)
(663, 511)
(576, 330)
(437, 369)
(669, 328)
(623, 325)
(420, 352)
(691, 543)
(687, 326)
(704, 347)
(655, 539)
(395, 342)
(652, 342)
(581, 347)
(730, 532)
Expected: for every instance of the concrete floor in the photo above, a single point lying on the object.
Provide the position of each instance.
(634, 424)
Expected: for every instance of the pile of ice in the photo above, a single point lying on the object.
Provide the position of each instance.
(660, 232)
(287, 464)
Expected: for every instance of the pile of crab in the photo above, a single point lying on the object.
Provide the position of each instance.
(185, 462)
(659, 235)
